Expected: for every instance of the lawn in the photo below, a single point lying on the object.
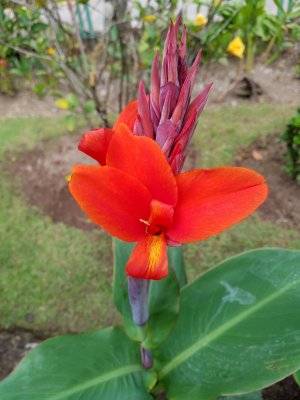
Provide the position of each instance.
(56, 278)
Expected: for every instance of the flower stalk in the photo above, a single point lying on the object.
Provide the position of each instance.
(138, 290)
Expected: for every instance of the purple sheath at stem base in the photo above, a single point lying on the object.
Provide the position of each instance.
(138, 297)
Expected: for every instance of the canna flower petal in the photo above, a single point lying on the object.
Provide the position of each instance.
(210, 201)
(148, 259)
(112, 199)
(128, 115)
(142, 158)
(95, 144)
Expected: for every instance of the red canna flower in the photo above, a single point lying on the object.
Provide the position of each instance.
(136, 197)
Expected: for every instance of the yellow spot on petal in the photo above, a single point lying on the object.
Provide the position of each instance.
(155, 251)
(200, 20)
(236, 47)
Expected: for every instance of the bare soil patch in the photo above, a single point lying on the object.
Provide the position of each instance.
(277, 82)
(266, 156)
(283, 390)
(14, 346)
(42, 174)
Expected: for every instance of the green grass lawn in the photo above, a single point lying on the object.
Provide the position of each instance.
(55, 278)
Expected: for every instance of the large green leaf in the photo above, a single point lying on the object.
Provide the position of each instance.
(248, 396)
(297, 377)
(176, 262)
(238, 328)
(101, 365)
(163, 298)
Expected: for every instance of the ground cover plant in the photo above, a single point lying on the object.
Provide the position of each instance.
(212, 337)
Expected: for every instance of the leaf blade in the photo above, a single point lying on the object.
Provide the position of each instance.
(230, 327)
(83, 366)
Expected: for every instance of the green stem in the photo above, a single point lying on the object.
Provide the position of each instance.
(250, 55)
(269, 48)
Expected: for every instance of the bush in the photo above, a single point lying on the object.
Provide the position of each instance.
(291, 137)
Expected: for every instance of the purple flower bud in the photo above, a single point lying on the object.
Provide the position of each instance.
(168, 115)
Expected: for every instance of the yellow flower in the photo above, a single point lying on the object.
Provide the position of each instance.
(62, 103)
(149, 18)
(51, 51)
(200, 20)
(68, 177)
(236, 47)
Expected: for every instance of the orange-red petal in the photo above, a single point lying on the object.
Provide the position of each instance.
(112, 199)
(161, 214)
(148, 259)
(210, 201)
(142, 158)
(95, 144)
(128, 115)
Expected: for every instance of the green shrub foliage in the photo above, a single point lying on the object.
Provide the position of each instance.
(291, 137)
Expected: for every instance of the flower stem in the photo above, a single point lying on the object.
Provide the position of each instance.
(138, 297)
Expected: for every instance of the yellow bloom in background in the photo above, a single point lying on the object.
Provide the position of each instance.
(68, 177)
(217, 3)
(62, 103)
(236, 47)
(149, 18)
(200, 20)
(51, 51)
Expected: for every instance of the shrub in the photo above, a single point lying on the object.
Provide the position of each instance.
(291, 137)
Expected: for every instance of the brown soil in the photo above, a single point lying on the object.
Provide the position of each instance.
(277, 82)
(283, 390)
(42, 174)
(283, 205)
(14, 346)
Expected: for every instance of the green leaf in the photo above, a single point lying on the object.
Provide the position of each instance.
(70, 121)
(297, 377)
(163, 309)
(279, 5)
(100, 365)
(238, 328)
(163, 298)
(89, 107)
(249, 396)
(176, 261)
